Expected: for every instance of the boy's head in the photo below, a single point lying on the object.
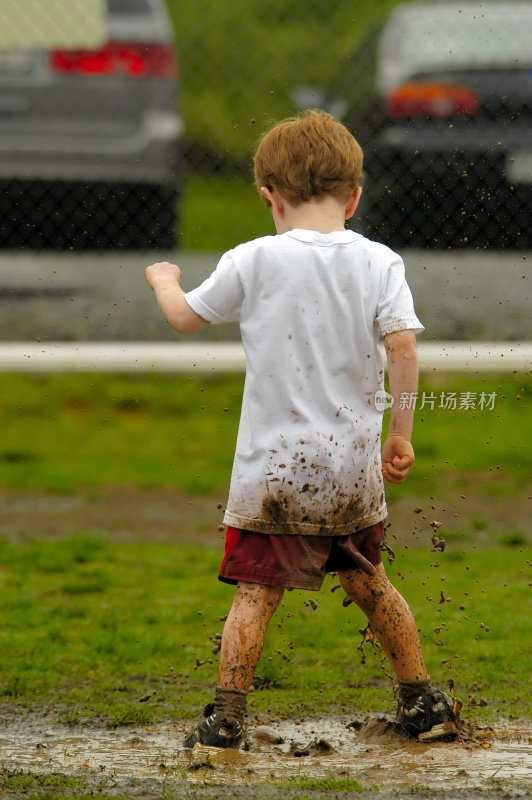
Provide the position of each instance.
(309, 156)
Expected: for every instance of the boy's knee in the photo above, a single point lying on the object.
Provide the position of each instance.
(267, 596)
(360, 586)
(273, 596)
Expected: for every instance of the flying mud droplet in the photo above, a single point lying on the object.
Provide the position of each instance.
(367, 636)
(438, 543)
(387, 549)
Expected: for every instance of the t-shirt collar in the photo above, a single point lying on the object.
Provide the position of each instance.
(315, 237)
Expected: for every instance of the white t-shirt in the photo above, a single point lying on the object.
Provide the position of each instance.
(311, 308)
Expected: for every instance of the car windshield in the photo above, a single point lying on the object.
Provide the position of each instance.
(454, 37)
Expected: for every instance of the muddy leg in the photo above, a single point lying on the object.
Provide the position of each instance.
(244, 633)
(391, 620)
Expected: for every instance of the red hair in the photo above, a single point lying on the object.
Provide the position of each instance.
(309, 156)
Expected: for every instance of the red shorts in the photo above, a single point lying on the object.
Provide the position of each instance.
(296, 561)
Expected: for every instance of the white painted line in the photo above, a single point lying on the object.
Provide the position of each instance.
(204, 357)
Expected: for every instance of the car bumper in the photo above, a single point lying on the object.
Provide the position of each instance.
(450, 190)
(148, 154)
(472, 150)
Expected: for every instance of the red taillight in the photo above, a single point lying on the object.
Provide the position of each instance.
(431, 100)
(133, 60)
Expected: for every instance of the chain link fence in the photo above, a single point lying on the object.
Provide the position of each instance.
(100, 130)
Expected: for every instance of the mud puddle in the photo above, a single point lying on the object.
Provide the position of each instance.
(370, 750)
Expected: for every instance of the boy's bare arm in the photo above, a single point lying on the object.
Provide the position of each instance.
(397, 451)
(164, 279)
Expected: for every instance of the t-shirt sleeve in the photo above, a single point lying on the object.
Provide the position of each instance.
(219, 298)
(395, 309)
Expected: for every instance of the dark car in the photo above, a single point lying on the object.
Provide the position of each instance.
(449, 151)
(89, 135)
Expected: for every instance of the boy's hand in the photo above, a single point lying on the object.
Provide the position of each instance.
(164, 278)
(397, 458)
(162, 270)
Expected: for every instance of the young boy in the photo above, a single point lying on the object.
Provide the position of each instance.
(306, 494)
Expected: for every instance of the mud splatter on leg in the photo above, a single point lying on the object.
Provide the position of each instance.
(391, 620)
(244, 633)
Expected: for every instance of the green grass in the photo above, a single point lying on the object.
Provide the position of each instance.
(67, 432)
(220, 212)
(457, 449)
(58, 787)
(52, 787)
(93, 627)
(234, 78)
(328, 784)
(124, 633)
(63, 433)
(234, 82)
(24, 782)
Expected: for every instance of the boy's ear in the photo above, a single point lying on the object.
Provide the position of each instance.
(266, 195)
(273, 200)
(353, 202)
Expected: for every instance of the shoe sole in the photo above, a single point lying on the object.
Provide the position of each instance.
(440, 731)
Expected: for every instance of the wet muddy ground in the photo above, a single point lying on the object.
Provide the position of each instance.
(129, 513)
(144, 761)
(150, 763)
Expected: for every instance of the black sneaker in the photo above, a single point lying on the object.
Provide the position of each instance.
(213, 732)
(431, 717)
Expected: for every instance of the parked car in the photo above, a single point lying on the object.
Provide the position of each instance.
(449, 149)
(89, 137)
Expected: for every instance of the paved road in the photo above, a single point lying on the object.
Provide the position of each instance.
(103, 297)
